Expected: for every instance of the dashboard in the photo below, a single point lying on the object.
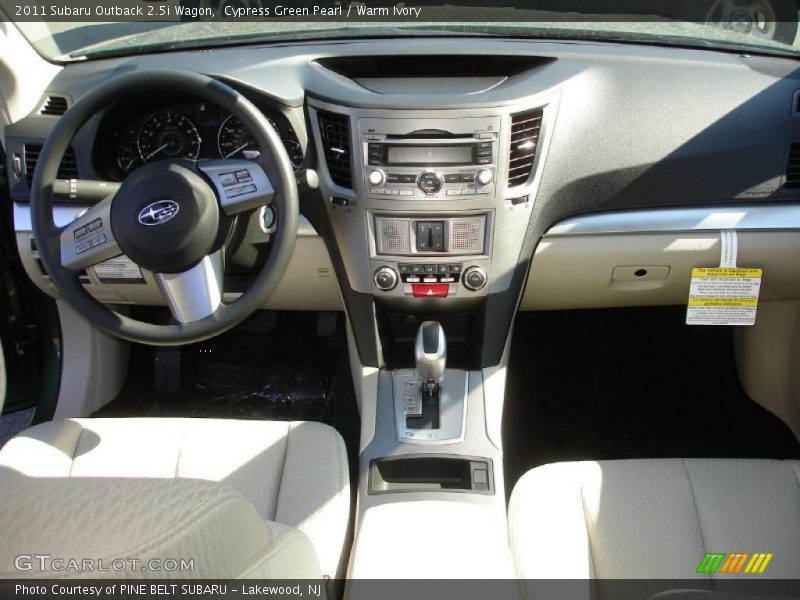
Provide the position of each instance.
(433, 178)
(160, 127)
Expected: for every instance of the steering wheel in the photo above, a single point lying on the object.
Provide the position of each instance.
(169, 217)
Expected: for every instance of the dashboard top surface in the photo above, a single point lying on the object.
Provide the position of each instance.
(637, 125)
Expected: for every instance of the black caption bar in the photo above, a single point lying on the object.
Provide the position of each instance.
(486, 11)
(509, 589)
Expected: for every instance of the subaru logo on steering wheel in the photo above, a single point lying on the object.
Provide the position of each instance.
(158, 213)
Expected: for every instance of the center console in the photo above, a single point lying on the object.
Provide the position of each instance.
(430, 478)
(429, 210)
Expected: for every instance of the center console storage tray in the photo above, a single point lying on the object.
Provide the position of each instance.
(431, 473)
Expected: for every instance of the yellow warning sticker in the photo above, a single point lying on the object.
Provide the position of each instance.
(725, 272)
(723, 296)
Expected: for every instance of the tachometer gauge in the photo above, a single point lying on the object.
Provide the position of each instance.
(168, 134)
(128, 157)
(235, 141)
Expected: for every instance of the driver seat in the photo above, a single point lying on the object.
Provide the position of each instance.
(242, 498)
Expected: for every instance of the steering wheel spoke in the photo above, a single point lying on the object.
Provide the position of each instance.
(169, 217)
(240, 185)
(195, 293)
(89, 240)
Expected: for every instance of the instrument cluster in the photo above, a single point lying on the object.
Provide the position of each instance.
(133, 134)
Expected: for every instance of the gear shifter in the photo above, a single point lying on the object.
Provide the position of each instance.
(430, 404)
(430, 354)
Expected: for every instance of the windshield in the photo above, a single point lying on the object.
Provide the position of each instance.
(68, 31)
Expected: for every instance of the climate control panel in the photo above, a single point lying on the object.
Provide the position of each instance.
(430, 280)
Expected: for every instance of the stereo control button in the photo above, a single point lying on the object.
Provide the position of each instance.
(376, 177)
(484, 177)
(430, 182)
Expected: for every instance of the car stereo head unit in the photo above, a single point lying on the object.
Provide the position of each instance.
(438, 159)
(417, 154)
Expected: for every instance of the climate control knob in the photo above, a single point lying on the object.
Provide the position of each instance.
(376, 178)
(475, 278)
(385, 279)
(484, 177)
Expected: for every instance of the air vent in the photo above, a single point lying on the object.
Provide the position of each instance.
(68, 169)
(335, 131)
(525, 129)
(792, 181)
(54, 106)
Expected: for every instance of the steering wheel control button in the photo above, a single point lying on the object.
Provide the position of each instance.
(385, 279)
(430, 290)
(238, 191)
(252, 186)
(81, 232)
(430, 182)
(83, 247)
(475, 278)
(228, 179)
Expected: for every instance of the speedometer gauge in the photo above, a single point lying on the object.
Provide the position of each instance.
(168, 134)
(234, 140)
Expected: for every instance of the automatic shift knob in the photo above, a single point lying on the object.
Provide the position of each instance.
(430, 353)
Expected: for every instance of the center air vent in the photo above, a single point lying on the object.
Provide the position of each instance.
(525, 129)
(792, 181)
(335, 132)
(68, 169)
(54, 106)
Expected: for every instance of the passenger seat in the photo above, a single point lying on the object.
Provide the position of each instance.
(655, 519)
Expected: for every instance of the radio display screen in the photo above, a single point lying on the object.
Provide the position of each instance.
(399, 155)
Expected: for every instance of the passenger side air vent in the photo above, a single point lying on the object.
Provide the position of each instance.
(792, 181)
(68, 169)
(335, 132)
(525, 129)
(54, 106)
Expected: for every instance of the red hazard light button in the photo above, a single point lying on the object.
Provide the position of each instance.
(430, 290)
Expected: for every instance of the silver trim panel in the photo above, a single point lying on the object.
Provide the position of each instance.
(748, 217)
(194, 294)
(63, 215)
(453, 395)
